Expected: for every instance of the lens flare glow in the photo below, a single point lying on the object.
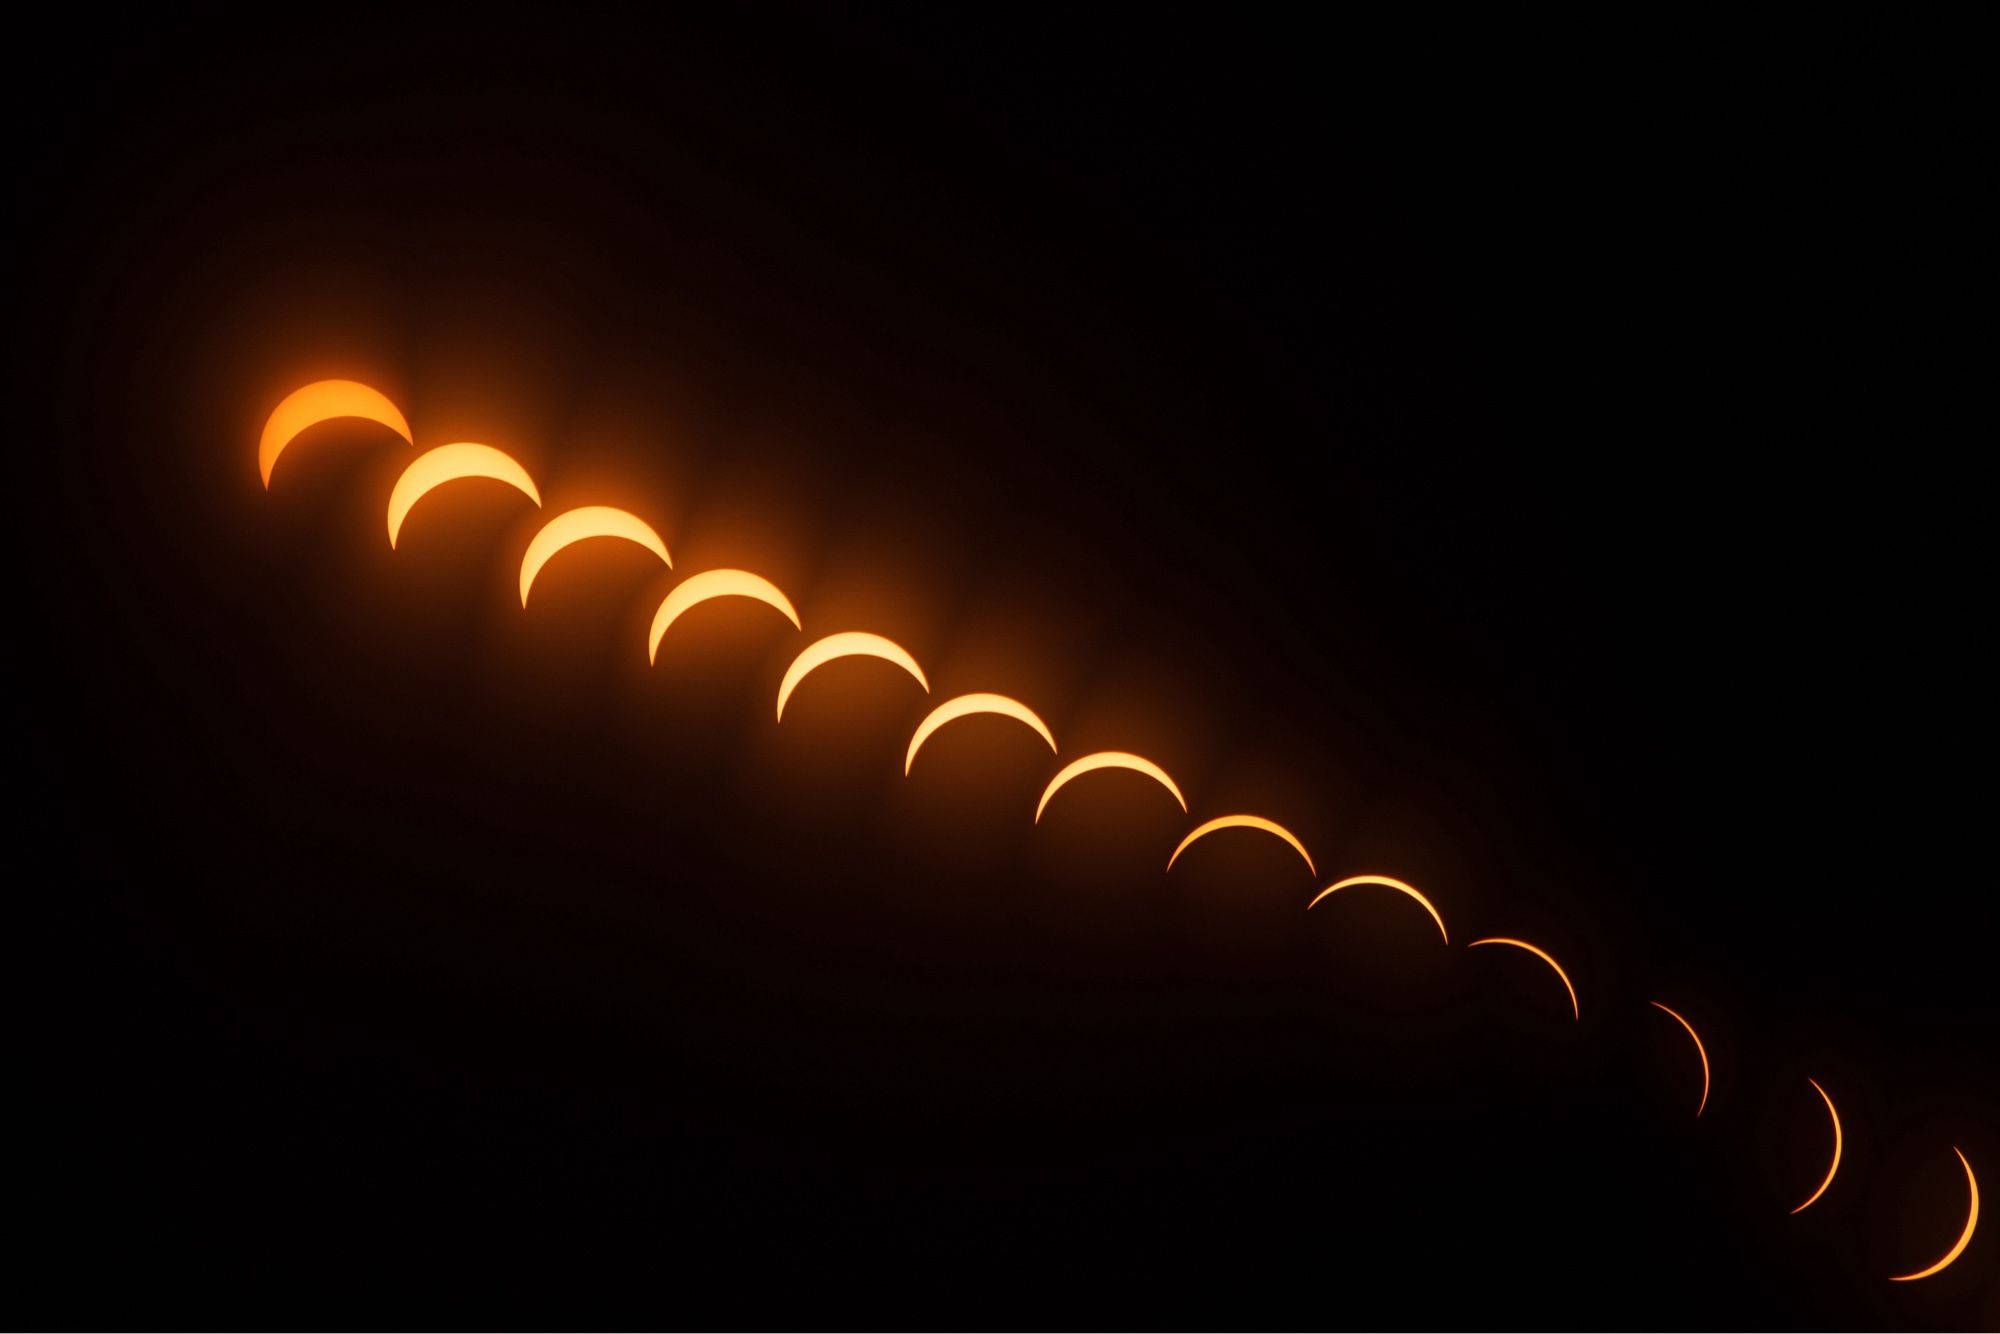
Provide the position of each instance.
(1964, 1238)
(1107, 759)
(846, 644)
(323, 400)
(1539, 954)
(589, 521)
(1389, 882)
(1244, 822)
(964, 706)
(1833, 1166)
(450, 463)
(715, 584)
(1699, 1050)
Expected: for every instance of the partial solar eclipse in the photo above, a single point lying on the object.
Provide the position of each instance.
(1541, 954)
(964, 706)
(1244, 822)
(1699, 1050)
(1964, 1238)
(572, 526)
(1833, 1166)
(846, 644)
(1387, 882)
(323, 400)
(450, 463)
(708, 584)
(1107, 759)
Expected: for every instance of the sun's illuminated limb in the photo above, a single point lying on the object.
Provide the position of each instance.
(1965, 1237)
(1541, 954)
(323, 400)
(1699, 1049)
(1243, 822)
(1108, 759)
(576, 525)
(963, 706)
(449, 463)
(1833, 1166)
(708, 584)
(1390, 882)
(846, 644)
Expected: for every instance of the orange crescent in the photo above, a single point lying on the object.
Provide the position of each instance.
(1108, 759)
(1964, 1238)
(964, 706)
(450, 463)
(323, 400)
(589, 521)
(1541, 954)
(846, 644)
(1244, 822)
(1390, 882)
(715, 584)
(1699, 1049)
(1833, 1166)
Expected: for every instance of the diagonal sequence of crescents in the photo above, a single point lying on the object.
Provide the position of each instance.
(327, 400)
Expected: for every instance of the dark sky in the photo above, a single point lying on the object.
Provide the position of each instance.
(1546, 478)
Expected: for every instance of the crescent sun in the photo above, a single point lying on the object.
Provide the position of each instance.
(575, 525)
(1833, 1166)
(964, 706)
(708, 584)
(1965, 1237)
(1699, 1050)
(1108, 759)
(846, 644)
(1541, 954)
(1389, 882)
(323, 400)
(450, 463)
(1244, 822)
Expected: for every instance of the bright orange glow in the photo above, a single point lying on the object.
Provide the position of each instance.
(576, 525)
(1389, 882)
(1108, 759)
(715, 584)
(846, 644)
(448, 463)
(1699, 1049)
(1539, 954)
(1964, 1238)
(964, 706)
(323, 400)
(1833, 1166)
(1244, 822)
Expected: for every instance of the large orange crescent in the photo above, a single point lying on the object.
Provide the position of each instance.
(1244, 822)
(1699, 1049)
(589, 521)
(1833, 1166)
(1108, 759)
(1388, 882)
(715, 584)
(1541, 954)
(323, 400)
(964, 706)
(846, 644)
(450, 463)
(1965, 1237)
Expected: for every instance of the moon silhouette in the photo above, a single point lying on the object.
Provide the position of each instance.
(323, 400)
(1244, 822)
(715, 584)
(1389, 882)
(1699, 1050)
(1964, 1238)
(1541, 954)
(1107, 759)
(846, 644)
(964, 706)
(450, 463)
(589, 521)
(1833, 1166)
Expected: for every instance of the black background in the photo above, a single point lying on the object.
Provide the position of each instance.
(1546, 478)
